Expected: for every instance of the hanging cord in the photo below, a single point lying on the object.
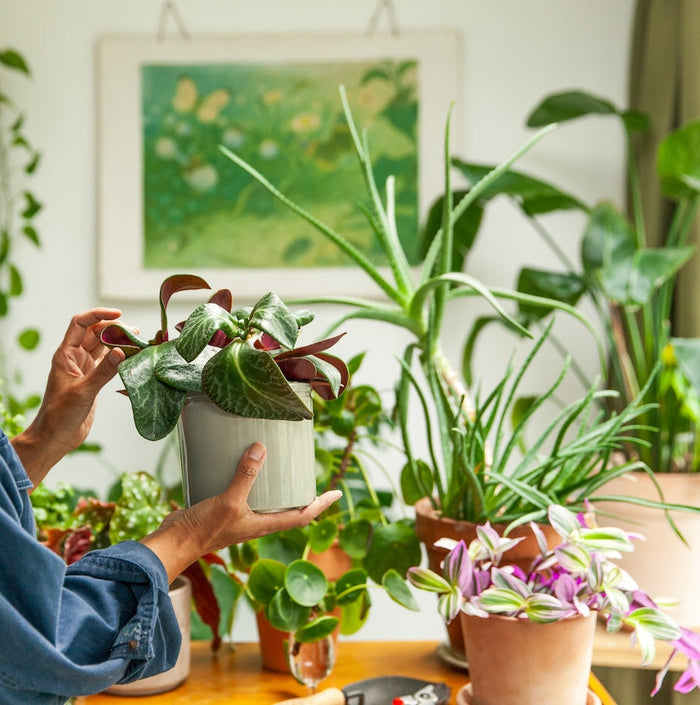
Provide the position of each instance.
(391, 16)
(169, 7)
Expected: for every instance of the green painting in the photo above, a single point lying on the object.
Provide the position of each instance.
(201, 211)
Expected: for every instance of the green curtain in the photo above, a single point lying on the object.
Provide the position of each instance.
(665, 84)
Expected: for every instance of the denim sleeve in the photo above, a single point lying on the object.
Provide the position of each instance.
(75, 630)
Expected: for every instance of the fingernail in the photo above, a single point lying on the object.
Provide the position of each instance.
(336, 494)
(114, 357)
(256, 451)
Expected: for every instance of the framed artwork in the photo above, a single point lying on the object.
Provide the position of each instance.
(170, 201)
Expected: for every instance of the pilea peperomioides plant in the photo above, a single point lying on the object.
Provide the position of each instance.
(243, 359)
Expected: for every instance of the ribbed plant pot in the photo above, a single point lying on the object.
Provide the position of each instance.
(181, 596)
(213, 441)
(655, 562)
(515, 661)
(430, 527)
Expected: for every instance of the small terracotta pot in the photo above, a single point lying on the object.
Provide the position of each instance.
(518, 662)
(181, 596)
(430, 527)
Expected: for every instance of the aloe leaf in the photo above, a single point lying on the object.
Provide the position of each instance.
(156, 406)
(247, 382)
(344, 245)
(272, 316)
(201, 325)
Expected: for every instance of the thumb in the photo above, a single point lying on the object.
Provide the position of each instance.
(247, 470)
(106, 369)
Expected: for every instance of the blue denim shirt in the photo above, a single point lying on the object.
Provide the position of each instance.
(74, 630)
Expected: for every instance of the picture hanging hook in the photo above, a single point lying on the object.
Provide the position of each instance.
(169, 7)
(391, 16)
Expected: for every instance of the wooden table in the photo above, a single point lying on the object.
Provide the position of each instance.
(235, 674)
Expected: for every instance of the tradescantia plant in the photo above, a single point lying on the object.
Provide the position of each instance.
(577, 577)
(243, 359)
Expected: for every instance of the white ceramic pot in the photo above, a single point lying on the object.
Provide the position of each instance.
(181, 596)
(213, 441)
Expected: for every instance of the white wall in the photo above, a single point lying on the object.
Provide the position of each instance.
(514, 52)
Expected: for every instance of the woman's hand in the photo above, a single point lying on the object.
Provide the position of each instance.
(220, 521)
(80, 367)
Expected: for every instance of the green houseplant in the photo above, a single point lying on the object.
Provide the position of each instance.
(455, 474)
(551, 603)
(230, 378)
(630, 283)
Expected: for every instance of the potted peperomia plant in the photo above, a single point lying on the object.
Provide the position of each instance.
(230, 378)
(526, 618)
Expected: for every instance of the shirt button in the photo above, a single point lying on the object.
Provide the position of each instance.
(133, 644)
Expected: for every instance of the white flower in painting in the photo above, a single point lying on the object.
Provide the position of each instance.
(233, 138)
(183, 129)
(165, 148)
(202, 178)
(268, 149)
(305, 122)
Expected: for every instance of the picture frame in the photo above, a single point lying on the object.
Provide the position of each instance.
(151, 94)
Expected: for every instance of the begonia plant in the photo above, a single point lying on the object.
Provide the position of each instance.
(579, 576)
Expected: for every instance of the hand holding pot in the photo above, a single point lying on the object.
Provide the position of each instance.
(220, 521)
(80, 367)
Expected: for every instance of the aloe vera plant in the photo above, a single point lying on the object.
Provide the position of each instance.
(468, 473)
(242, 359)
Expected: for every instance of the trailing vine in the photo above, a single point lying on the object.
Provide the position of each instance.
(19, 207)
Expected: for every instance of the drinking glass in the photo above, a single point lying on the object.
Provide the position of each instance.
(310, 662)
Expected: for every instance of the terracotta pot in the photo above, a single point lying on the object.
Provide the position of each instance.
(334, 562)
(430, 527)
(181, 596)
(655, 562)
(517, 662)
(213, 441)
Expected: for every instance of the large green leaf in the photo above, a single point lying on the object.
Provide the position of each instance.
(533, 195)
(398, 590)
(272, 316)
(678, 162)
(305, 583)
(607, 240)
(285, 613)
(350, 586)
(201, 325)
(569, 105)
(247, 382)
(156, 406)
(282, 546)
(554, 285)
(265, 579)
(354, 537)
(394, 546)
(174, 370)
(687, 351)
(318, 629)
